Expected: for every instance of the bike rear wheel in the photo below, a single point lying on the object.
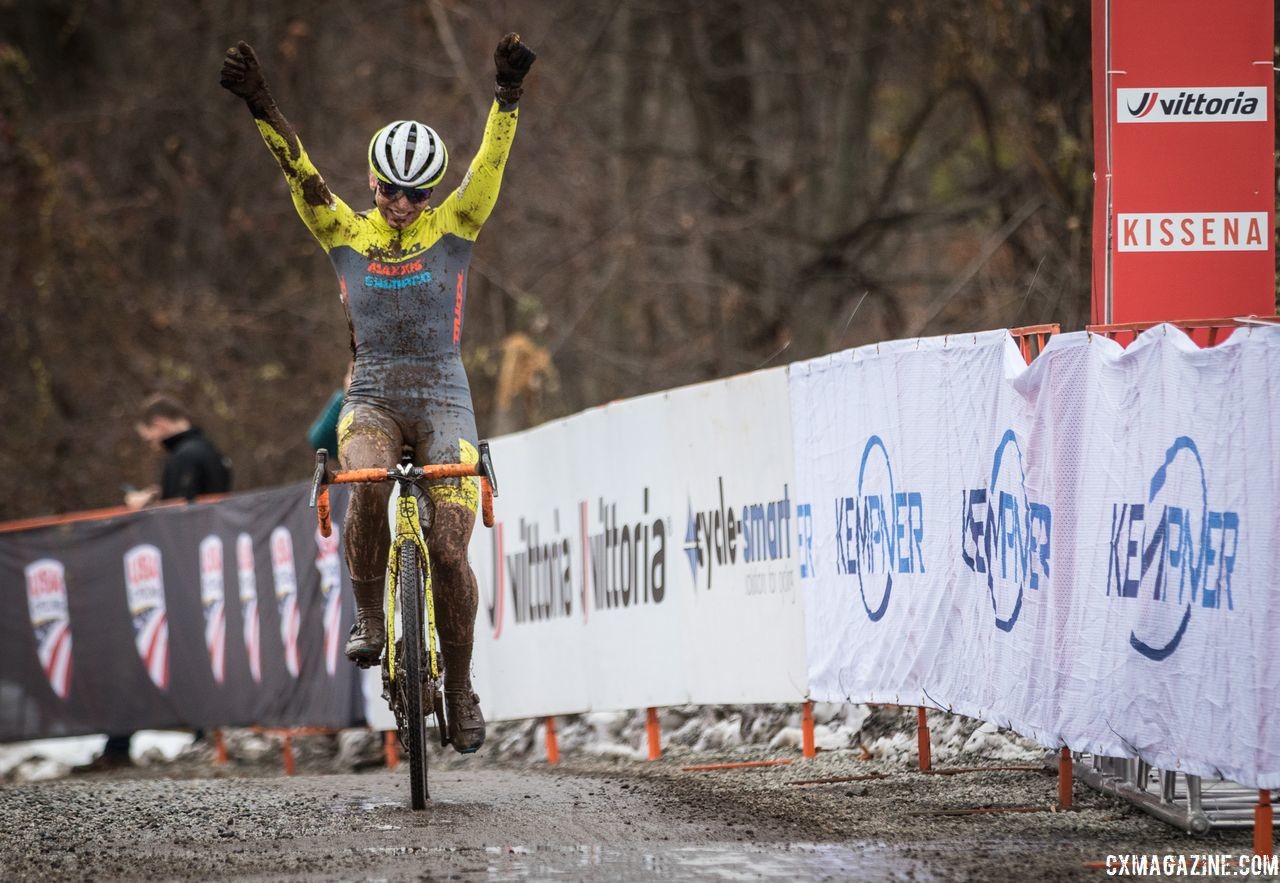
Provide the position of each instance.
(413, 573)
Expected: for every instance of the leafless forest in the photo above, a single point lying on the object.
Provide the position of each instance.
(698, 188)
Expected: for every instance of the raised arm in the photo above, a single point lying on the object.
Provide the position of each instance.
(323, 213)
(475, 197)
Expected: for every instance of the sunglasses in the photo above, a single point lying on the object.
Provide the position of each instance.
(416, 196)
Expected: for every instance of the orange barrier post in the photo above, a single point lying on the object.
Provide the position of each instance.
(553, 747)
(1064, 778)
(806, 731)
(390, 750)
(922, 740)
(287, 751)
(655, 735)
(219, 748)
(1263, 819)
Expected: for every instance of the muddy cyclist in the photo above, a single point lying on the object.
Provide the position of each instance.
(402, 271)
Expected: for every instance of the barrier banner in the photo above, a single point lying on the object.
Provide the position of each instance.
(155, 619)
(1085, 551)
(1184, 140)
(643, 556)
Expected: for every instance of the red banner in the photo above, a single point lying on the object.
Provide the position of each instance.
(1184, 139)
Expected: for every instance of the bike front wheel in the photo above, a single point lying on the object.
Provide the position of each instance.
(413, 572)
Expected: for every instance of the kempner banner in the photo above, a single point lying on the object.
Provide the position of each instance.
(1086, 551)
(644, 555)
(214, 614)
(1184, 138)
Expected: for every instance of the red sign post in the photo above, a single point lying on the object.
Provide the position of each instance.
(1184, 140)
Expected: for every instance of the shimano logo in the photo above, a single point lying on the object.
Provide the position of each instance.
(1171, 553)
(1173, 104)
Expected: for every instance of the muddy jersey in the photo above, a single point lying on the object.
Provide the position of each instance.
(404, 290)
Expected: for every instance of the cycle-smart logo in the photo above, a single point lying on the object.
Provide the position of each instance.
(879, 531)
(1171, 553)
(51, 621)
(1005, 536)
(753, 535)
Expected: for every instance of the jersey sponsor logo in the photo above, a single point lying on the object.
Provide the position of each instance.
(1188, 104)
(51, 621)
(459, 293)
(144, 585)
(286, 580)
(248, 579)
(213, 603)
(1171, 553)
(329, 565)
(880, 531)
(391, 277)
(1006, 536)
(1192, 231)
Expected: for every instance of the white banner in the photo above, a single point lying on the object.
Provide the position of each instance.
(643, 556)
(1084, 551)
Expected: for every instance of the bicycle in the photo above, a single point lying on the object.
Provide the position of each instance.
(412, 680)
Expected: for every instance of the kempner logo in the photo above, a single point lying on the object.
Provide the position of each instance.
(213, 601)
(51, 620)
(1172, 552)
(880, 531)
(1187, 104)
(1192, 231)
(329, 565)
(1006, 536)
(286, 579)
(144, 585)
(247, 576)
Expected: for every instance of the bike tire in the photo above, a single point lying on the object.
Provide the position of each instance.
(410, 594)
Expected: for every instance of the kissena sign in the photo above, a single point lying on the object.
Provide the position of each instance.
(1192, 231)
(1185, 104)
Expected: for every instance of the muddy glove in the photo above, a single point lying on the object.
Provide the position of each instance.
(512, 60)
(242, 76)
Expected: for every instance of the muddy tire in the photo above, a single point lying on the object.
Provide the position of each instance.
(409, 587)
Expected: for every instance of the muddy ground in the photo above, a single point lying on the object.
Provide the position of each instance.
(589, 817)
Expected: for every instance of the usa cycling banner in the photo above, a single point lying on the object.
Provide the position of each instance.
(1085, 551)
(643, 556)
(162, 618)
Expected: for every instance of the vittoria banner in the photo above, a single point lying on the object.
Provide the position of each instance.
(1184, 191)
(159, 638)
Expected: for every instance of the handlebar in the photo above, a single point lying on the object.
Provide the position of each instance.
(325, 476)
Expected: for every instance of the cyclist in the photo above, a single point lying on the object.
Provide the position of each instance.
(402, 271)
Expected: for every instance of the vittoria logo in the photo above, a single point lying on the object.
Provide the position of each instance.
(47, 604)
(248, 580)
(213, 602)
(329, 566)
(286, 580)
(144, 585)
(1184, 104)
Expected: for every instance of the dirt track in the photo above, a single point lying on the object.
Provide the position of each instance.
(589, 819)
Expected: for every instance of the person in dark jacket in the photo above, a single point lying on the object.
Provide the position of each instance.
(193, 465)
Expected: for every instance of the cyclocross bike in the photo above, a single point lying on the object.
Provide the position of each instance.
(412, 678)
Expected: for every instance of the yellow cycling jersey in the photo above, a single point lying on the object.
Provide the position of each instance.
(404, 290)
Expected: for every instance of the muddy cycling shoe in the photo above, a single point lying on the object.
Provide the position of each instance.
(364, 646)
(466, 723)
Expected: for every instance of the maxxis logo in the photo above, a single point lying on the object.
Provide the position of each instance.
(1192, 104)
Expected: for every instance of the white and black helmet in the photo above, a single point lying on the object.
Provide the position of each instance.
(408, 154)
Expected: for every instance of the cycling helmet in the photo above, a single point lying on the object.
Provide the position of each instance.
(408, 154)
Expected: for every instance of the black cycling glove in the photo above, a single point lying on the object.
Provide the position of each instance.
(512, 60)
(242, 76)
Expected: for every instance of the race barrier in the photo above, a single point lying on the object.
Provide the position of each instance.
(196, 616)
(1082, 550)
